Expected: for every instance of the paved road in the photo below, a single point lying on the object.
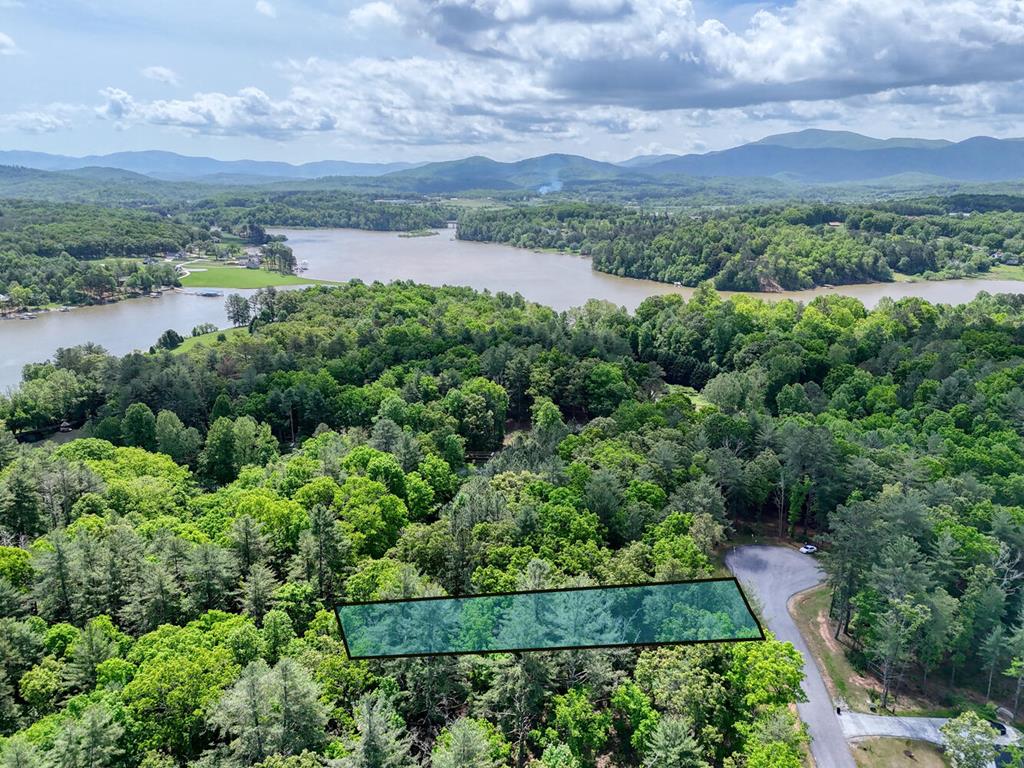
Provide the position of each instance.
(771, 575)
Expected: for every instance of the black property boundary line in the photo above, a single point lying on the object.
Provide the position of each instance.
(733, 579)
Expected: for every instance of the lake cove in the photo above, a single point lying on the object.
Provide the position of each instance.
(558, 280)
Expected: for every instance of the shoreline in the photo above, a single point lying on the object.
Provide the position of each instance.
(1014, 273)
(899, 278)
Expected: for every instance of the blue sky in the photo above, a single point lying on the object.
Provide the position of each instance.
(303, 80)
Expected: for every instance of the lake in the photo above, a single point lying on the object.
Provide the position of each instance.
(120, 328)
(558, 280)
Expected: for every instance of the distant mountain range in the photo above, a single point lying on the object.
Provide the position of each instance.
(547, 173)
(171, 166)
(977, 159)
(804, 157)
(814, 138)
(807, 157)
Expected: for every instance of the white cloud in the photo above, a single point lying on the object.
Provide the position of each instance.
(500, 74)
(47, 119)
(413, 101)
(249, 112)
(376, 12)
(161, 75)
(658, 54)
(7, 45)
(264, 8)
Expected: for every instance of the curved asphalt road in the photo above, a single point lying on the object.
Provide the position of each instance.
(771, 575)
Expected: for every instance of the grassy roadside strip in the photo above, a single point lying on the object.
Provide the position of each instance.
(881, 752)
(809, 610)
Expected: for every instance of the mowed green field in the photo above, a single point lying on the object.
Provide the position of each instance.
(238, 277)
(1006, 272)
(207, 339)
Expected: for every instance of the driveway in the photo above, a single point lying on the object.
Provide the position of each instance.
(858, 725)
(771, 575)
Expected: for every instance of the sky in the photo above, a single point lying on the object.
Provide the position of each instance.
(418, 80)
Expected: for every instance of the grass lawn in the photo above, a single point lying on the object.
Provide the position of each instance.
(998, 272)
(239, 277)
(474, 202)
(699, 401)
(208, 338)
(1006, 272)
(897, 753)
(112, 259)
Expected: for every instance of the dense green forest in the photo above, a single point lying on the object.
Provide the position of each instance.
(770, 248)
(166, 582)
(89, 231)
(318, 209)
(76, 254)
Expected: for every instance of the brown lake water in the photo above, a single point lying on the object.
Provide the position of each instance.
(557, 280)
(120, 328)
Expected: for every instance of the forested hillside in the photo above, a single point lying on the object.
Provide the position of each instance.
(75, 254)
(318, 209)
(166, 584)
(166, 591)
(80, 254)
(771, 248)
(87, 231)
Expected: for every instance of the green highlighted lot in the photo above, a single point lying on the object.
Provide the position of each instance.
(669, 613)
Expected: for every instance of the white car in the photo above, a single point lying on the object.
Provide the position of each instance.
(808, 549)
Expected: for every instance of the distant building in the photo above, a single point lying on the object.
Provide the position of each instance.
(253, 262)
